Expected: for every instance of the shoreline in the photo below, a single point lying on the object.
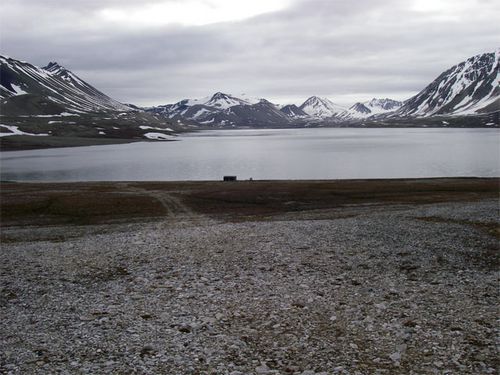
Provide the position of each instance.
(26, 143)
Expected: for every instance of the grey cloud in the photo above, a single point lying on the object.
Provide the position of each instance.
(336, 48)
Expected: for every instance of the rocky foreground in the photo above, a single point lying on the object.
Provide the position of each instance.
(365, 289)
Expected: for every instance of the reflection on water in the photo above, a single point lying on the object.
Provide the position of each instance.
(270, 154)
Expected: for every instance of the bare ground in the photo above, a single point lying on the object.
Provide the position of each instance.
(333, 277)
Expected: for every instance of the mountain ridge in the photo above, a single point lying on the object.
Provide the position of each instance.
(54, 84)
(467, 94)
(466, 89)
(373, 107)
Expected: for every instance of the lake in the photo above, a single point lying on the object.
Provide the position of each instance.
(270, 154)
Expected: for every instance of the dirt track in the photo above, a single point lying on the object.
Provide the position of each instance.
(105, 203)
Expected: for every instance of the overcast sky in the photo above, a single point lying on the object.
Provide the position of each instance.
(159, 51)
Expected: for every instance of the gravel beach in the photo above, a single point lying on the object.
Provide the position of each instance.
(361, 289)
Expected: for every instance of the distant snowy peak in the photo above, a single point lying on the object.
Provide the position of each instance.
(223, 101)
(383, 105)
(224, 110)
(197, 109)
(471, 87)
(218, 101)
(320, 107)
(370, 108)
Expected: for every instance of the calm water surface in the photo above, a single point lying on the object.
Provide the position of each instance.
(270, 154)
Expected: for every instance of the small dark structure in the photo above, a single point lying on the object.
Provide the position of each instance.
(229, 178)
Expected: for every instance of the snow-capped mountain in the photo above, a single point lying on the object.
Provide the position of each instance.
(223, 101)
(222, 110)
(195, 108)
(370, 108)
(320, 107)
(383, 105)
(471, 87)
(53, 88)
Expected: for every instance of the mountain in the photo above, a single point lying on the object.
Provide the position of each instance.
(197, 109)
(320, 107)
(471, 87)
(224, 110)
(27, 89)
(261, 114)
(54, 102)
(223, 101)
(291, 110)
(370, 108)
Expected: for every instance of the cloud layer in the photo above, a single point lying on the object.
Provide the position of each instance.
(284, 50)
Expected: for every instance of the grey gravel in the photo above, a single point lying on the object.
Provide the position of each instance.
(380, 292)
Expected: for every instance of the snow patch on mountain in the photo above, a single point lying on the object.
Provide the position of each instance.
(14, 130)
(159, 136)
(18, 90)
(145, 127)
